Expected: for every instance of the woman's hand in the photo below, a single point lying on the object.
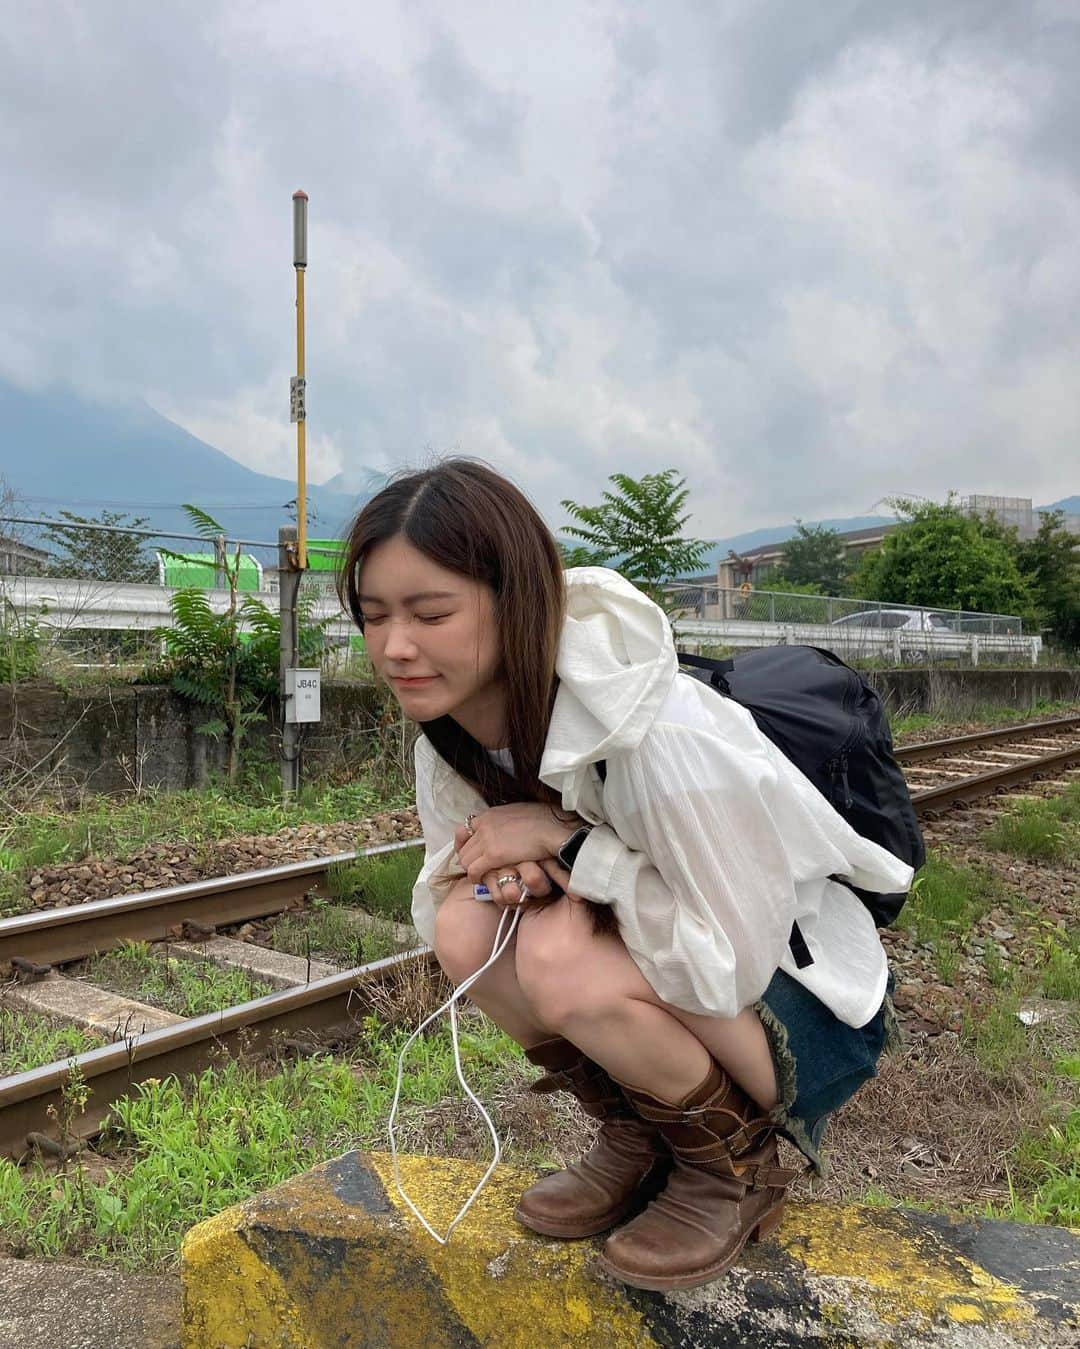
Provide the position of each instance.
(504, 838)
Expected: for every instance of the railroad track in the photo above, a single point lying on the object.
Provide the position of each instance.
(942, 773)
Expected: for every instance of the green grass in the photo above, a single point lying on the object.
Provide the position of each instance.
(1060, 975)
(1047, 829)
(381, 884)
(999, 1039)
(1041, 710)
(188, 988)
(330, 931)
(947, 900)
(1046, 1162)
(102, 826)
(28, 1040)
(184, 1153)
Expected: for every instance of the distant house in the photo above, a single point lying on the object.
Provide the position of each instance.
(738, 568)
(20, 559)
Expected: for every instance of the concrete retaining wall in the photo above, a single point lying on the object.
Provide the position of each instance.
(114, 738)
(963, 692)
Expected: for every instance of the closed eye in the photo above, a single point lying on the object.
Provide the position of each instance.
(432, 618)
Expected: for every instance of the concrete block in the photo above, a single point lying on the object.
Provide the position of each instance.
(276, 968)
(334, 1257)
(92, 1008)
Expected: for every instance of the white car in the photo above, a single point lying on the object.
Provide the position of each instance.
(910, 623)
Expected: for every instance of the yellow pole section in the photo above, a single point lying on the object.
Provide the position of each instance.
(300, 201)
(301, 429)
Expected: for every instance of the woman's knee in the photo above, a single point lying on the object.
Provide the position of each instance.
(553, 967)
(462, 939)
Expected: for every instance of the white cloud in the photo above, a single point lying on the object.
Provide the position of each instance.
(807, 257)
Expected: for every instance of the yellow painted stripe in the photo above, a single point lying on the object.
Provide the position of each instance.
(231, 1298)
(509, 1287)
(905, 1271)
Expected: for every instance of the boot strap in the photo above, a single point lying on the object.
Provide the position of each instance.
(698, 1118)
(773, 1177)
(578, 1084)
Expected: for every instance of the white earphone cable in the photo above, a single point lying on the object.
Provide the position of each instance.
(501, 943)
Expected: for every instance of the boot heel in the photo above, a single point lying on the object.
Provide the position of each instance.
(768, 1224)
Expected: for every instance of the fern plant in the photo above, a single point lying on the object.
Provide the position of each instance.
(227, 663)
(20, 644)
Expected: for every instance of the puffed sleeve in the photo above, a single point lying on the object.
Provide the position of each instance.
(706, 901)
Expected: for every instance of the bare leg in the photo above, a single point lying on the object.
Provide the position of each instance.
(464, 939)
(589, 989)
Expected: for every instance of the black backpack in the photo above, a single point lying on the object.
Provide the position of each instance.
(829, 722)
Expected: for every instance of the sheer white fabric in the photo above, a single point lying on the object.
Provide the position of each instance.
(708, 842)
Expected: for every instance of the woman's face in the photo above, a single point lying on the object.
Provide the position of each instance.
(431, 635)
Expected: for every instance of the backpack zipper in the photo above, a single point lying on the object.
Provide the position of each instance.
(838, 772)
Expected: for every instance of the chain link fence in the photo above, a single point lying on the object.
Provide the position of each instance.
(79, 595)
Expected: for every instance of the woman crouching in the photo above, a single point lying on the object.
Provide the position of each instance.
(660, 848)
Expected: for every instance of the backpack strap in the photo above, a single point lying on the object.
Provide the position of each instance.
(718, 669)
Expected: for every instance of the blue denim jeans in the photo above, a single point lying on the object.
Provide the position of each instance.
(820, 1061)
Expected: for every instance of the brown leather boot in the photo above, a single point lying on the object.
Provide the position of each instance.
(726, 1189)
(627, 1165)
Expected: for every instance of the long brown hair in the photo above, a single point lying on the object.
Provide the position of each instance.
(471, 520)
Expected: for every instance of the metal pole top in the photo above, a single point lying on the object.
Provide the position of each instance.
(300, 201)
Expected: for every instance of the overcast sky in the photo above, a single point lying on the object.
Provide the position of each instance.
(810, 254)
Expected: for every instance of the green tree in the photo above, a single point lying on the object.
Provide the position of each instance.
(102, 553)
(814, 557)
(1050, 563)
(944, 558)
(637, 530)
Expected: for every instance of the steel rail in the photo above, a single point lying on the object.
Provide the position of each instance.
(936, 799)
(933, 749)
(110, 1072)
(52, 936)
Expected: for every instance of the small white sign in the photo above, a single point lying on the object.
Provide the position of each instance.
(297, 399)
(302, 702)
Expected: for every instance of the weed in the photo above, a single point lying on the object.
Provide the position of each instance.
(1031, 830)
(184, 1152)
(104, 827)
(1048, 1160)
(189, 988)
(997, 971)
(998, 1038)
(382, 884)
(1061, 973)
(947, 900)
(339, 933)
(947, 960)
(28, 1040)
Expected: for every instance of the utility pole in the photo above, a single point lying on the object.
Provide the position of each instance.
(288, 588)
(299, 384)
(292, 542)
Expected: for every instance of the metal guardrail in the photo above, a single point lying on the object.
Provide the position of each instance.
(916, 648)
(746, 604)
(860, 629)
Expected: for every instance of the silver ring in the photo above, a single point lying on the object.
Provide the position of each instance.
(510, 876)
(469, 824)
